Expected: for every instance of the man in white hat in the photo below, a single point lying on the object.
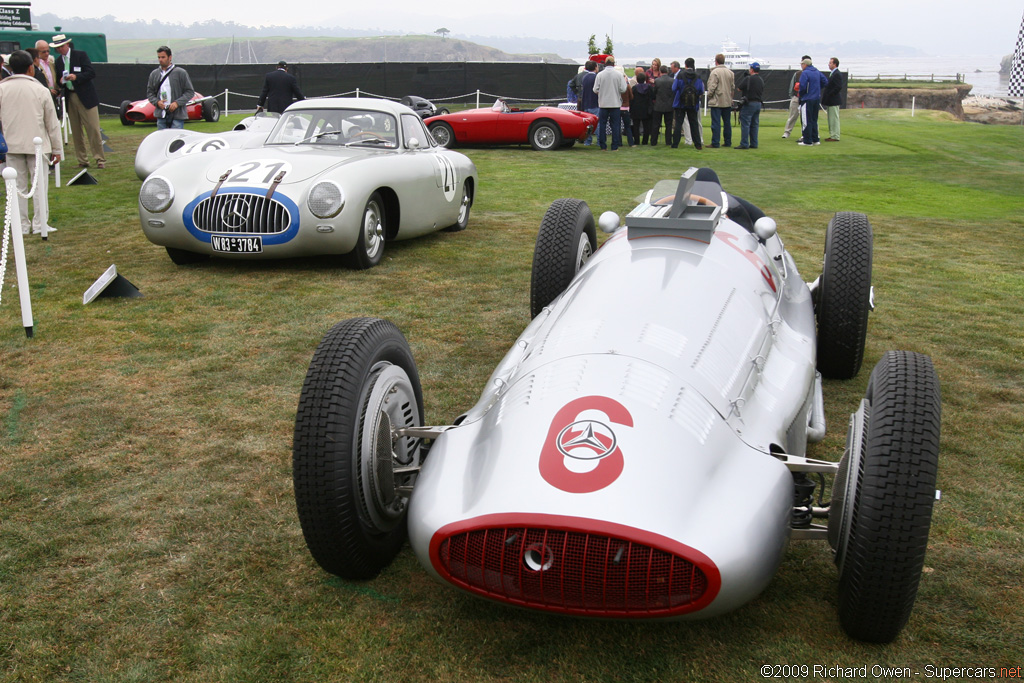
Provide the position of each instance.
(83, 104)
(27, 112)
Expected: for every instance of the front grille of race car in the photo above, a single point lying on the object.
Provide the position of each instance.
(575, 571)
(239, 212)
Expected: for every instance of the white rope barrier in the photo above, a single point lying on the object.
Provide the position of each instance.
(12, 232)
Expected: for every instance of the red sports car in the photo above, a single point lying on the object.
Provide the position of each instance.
(544, 127)
(141, 111)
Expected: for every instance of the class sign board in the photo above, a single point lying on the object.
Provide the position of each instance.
(16, 15)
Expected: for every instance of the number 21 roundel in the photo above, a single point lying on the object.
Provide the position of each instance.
(580, 454)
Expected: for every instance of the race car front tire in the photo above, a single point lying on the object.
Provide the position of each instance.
(566, 240)
(211, 111)
(125, 106)
(361, 384)
(843, 297)
(881, 551)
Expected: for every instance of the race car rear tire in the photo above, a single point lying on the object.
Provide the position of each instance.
(843, 296)
(443, 134)
(369, 249)
(125, 106)
(181, 257)
(545, 135)
(362, 381)
(464, 207)
(211, 111)
(566, 240)
(889, 505)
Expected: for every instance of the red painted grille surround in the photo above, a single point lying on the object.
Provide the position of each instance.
(574, 566)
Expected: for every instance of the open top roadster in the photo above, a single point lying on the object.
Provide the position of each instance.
(544, 128)
(641, 451)
(143, 111)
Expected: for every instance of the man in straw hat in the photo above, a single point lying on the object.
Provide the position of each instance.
(76, 73)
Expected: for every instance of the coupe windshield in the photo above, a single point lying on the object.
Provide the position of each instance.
(339, 127)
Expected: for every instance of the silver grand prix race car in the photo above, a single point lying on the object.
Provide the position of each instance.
(641, 451)
(334, 176)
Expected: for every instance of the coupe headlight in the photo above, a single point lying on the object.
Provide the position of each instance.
(326, 199)
(156, 194)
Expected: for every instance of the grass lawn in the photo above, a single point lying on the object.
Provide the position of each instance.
(147, 522)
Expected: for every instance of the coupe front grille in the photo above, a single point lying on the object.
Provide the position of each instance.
(574, 572)
(240, 212)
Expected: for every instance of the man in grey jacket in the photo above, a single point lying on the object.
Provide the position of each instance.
(169, 89)
(609, 86)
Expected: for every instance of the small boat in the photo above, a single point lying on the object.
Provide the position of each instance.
(736, 57)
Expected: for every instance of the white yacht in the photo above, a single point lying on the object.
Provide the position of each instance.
(736, 57)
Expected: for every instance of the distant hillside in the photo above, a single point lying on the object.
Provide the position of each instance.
(306, 50)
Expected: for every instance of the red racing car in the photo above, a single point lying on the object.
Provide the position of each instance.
(141, 111)
(544, 128)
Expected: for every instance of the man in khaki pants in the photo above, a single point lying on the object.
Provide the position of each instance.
(83, 105)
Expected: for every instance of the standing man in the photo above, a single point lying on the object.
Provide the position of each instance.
(44, 67)
(588, 98)
(721, 84)
(663, 96)
(27, 112)
(752, 95)
(812, 82)
(609, 87)
(794, 101)
(169, 89)
(832, 99)
(280, 88)
(688, 89)
(75, 73)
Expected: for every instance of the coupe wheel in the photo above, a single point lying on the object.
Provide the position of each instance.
(879, 521)
(566, 240)
(369, 247)
(211, 111)
(352, 475)
(125, 106)
(442, 111)
(181, 257)
(545, 135)
(843, 298)
(443, 134)
(464, 207)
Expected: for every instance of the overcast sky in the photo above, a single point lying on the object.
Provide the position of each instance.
(941, 27)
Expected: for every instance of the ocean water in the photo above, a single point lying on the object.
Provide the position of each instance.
(981, 71)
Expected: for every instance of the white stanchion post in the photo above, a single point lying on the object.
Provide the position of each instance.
(11, 181)
(39, 197)
(357, 93)
(913, 105)
(56, 174)
(227, 109)
(478, 98)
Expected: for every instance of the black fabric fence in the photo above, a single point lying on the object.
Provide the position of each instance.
(442, 82)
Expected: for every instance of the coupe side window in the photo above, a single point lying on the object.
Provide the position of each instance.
(412, 127)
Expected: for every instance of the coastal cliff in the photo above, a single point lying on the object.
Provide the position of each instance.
(955, 100)
(943, 99)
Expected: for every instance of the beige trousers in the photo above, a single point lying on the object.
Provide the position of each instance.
(89, 120)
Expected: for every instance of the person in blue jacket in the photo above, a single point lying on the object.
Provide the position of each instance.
(688, 89)
(811, 83)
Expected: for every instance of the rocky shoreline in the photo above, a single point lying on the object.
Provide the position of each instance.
(997, 110)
